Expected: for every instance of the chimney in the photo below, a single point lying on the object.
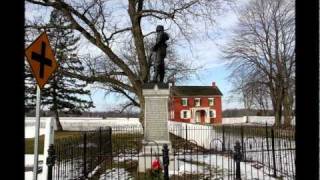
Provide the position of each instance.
(214, 84)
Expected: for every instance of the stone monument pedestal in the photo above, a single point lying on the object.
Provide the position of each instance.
(156, 132)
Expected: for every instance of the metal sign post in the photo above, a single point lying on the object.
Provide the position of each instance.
(36, 138)
(43, 64)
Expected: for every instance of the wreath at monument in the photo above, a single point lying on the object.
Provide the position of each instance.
(156, 170)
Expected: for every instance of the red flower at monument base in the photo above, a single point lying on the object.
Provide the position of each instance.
(156, 164)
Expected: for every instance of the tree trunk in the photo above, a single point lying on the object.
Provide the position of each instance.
(59, 126)
(55, 108)
(277, 93)
(141, 116)
(277, 106)
(287, 109)
(277, 114)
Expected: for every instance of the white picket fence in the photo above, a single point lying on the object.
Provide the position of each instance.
(253, 120)
(201, 134)
(206, 136)
(87, 123)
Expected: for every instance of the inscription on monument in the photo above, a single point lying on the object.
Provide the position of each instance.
(156, 125)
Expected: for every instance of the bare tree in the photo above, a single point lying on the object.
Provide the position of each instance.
(253, 94)
(262, 52)
(108, 24)
(176, 71)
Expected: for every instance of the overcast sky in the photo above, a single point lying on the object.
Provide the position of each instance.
(205, 52)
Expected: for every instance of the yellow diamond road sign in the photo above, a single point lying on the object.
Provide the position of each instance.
(41, 59)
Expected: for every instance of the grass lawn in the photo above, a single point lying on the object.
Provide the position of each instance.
(256, 131)
(29, 142)
(126, 142)
(121, 142)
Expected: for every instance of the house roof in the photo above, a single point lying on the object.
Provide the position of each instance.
(195, 91)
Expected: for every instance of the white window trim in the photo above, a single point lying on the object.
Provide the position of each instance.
(184, 99)
(214, 113)
(195, 102)
(182, 114)
(212, 101)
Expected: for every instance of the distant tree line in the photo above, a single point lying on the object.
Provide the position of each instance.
(86, 114)
(246, 112)
(225, 113)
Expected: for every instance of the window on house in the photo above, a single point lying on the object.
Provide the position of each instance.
(197, 102)
(212, 113)
(185, 114)
(184, 101)
(211, 101)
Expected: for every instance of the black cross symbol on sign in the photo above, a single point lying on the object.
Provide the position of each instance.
(41, 58)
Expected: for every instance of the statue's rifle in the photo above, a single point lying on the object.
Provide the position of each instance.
(149, 62)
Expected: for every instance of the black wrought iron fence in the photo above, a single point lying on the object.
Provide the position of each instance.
(122, 163)
(215, 152)
(265, 151)
(79, 157)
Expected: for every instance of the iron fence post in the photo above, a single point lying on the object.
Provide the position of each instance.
(72, 159)
(165, 152)
(186, 133)
(100, 145)
(242, 142)
(84, 155)
(237, 158)
(110, 140)
(223, 140)
(267, 141)
(50, 160)
(241, 133)
(273, 153)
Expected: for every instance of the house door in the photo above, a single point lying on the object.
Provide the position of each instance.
(200, 116)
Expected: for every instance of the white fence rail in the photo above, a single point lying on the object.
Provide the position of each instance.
(201, 134)
(234, 120)
(208, 136)
(87, 123)
(253, 119)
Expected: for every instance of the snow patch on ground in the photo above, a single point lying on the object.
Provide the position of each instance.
(217, 166)
(29, 131)
(28, 175)
(28, 159)
(28, 163)
(116, 174)
(125, 157)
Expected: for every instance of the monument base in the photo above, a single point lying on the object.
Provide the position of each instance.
(156, 132)
(151, 151)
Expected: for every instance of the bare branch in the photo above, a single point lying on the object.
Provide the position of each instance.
(117, 32)
(97, 78)
(119, 90)
(150, 33)
(45, 3)
(171, 15)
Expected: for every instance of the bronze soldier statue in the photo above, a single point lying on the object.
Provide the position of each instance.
(160, 49)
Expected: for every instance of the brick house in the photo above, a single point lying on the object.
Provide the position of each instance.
(195, 104)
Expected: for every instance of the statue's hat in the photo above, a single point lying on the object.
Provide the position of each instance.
(159, 28)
